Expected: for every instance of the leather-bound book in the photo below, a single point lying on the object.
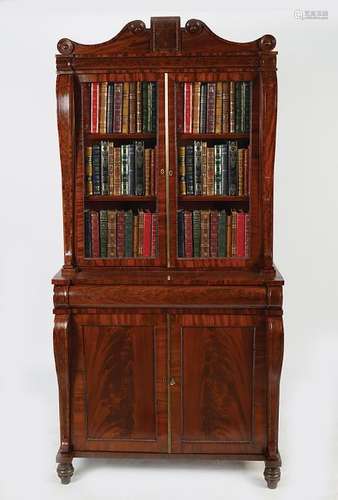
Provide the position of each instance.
(188, 233)
(103, 108)
(131, 168)
(205, 228)
(128, 234)
(147, 235)
(118, 95)
(197, 167)
(189, 169)
(214, 216)
(150, 107)
(117, 171)
(89, 170)
(154, 235)
(139, 168)
(152, 171)
(229, 235)
(224, 168)
(103, 233)
(196, 107)
(211, 110)
(180, 233)
(140, 233)
(110, 107)
(240, 165)
(218, 169)
(120, 233)
(246, 187)
(88, 234)
(247, 119)
(218, 115)
(139, 106)
(135, 235)
(222, 234)
(210, 171)
(104, 168)
(234, 233)
(196, 229)
(145, 106)
(247, 235)
(147, 171)
(204, 167)
(240, 233)
(111, 237)
(233, 190)
(179, 106)
(95, 227)
(225, 107)
(111, 167)
(132, 107)
(124, 169)
(243, 106)
(232, 106)
(125, 108)
(187, 116)
(238, 106)
(94, 107)
(154, 107)
(203, 108)
(96, 160)
(181, 170)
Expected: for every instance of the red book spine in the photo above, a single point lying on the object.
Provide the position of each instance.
(213, 234)
(188, 107)
(188, 234)
(247, 235)
(147, 235)
(94, 217)
(94, 107)
(240, 234)
(120, 234)
(154, 225)
(179, 106)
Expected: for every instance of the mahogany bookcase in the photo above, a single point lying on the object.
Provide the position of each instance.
(168, 356)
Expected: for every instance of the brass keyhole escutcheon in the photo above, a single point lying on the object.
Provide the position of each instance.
(172, 381)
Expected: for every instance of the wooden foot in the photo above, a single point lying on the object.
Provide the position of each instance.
(65, 472)
(272, 474)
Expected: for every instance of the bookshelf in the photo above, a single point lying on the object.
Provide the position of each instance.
(168, 335)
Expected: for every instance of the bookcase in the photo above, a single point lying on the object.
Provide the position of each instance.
(168, 335)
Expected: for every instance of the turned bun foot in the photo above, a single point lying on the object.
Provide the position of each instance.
(272, 475)
(65, 472)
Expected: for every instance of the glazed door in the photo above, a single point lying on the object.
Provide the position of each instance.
(218, 384)
(119, 379)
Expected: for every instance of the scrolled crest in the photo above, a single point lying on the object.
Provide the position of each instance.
(267, 42)
(136, 26)
(65, 46)
(194, 26)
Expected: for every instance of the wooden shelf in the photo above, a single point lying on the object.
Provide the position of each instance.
(117, 136)
(205, 137)
(212, 198)
(120, 198)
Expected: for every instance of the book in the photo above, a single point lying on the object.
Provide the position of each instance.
(103, 108)
(218, 188)
(213, 246)
(232, 168)
(124, 169)
(211, 111)
(131, 168)
(238, 106)
(203, 108)
(196, 217)
(146, 234)
(188, 245)
(94, 107)
(118, 97)
(144, 87)
(111, 167)
(154, 107)
(225, 107)
(197, 167)
(110, 107)
(179, 105)
(147, 172)
(181, 170)
(189, 169)
(240, 235)
(96, 162)
(117, 171)
(218, 112)
(205, 241)
(138, 107)
(128, 233)
(224, 168)
(132, 107)
(141, 233)
(196, 107)
(204, 167)
(103, 232)
(154, 235)
(187, 117)
(88, 239)
(104, 168)
(139, 168)
(89, 170)
(180, 233)
(221, 237)
(125, 108)
(111, 237)
(120, 236)
(210, 171)
(231, 106)
(95, 233)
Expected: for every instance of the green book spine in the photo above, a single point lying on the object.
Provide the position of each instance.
(196, 222)
(154, 107)
(222, 234)
(218, 169)
(238, 106)
(233, 188)
(145, 106)
(103, 232)
(197, 167)
(128, 234)
(124, 169)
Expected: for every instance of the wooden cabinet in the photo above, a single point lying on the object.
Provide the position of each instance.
(168, 334)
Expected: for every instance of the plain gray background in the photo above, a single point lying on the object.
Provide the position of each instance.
(305, 238)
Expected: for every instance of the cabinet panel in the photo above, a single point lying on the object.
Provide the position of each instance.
(218, 364)
(120, 390)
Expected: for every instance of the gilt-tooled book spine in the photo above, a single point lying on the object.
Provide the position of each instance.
(204, 167)
(110, 107)
(240, 170)
(124, 169)
(229, 235)
(210, 171)
(111, 167)
(103, 232)
(138, 106)
(213, 233)
(150, 107)
(135, 236)
(140, 233)
(132, 107)
(154, 235)
(118, 95)
(117, 171)
(211, 101)
(232, 168)
(246, 172)
(224, 168)
(225, 107)
(218, 169)
(222, 234)
(120, 233)
(188, 234)
(205, 217)
(243, 106)
(139, 167)
(104, 168)
(154, 107)
(181, 170)
(128, 234)
(152, 171)
(247, 235)
(197, 167)
(89, 170)
(96, 160)
(144, 106)
(94, 107)
(233, 234)
(131, 168)
(240, 233)
(238, 106)
(125, 108)
(111, 243)
(95, 227)
(196, 107)
(247, 120)
(232, 107)
(88, 236)
(180, 233)
(179, 104)
(147, 235)
(196, 218)
(103, 108)
(218, 115)
(189, 169)
(147, 170)
(203, 108)
(187, 107)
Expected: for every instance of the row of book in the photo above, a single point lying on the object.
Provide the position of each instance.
(123, 107)
(212, 233)
(128, 169)
(120, 233)
(218, 170)
(214, 107)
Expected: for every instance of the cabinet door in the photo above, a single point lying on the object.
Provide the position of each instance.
(120, 394)
(218, 384)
